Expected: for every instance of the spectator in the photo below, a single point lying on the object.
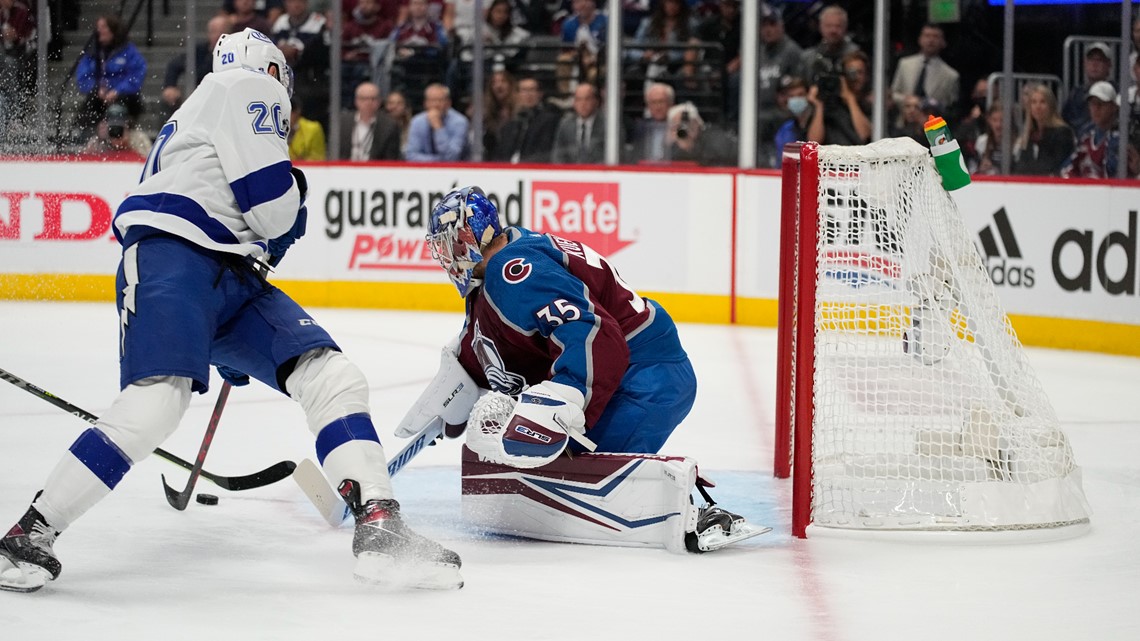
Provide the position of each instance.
(369, 133)
(203, 64)
(833, 45)
(529, 136)
(973, 123)
(366, 27)
(500, 31)
(856, 68)
(926, 75)
(1097, 151)
(244, 14)
(1097, 67)
(792, 100)
(536, 16)
(724, 27)
(669, 23)
(780, 57)
(841, 119)
(306, 137)
(439, 11)
(439, 133)
(462, 27)
(420, 42)
(264, 10)
(110, 70)
(1045, 141)
(650, 134)
(585, 31)
(17, 60)
(115, 137)
(396, 106)
(988, 144)
(581, 137)
(498, 108)
(303, 36)
(690, 140)
(911, 120)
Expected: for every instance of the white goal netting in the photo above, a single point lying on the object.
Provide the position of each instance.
(927, 414)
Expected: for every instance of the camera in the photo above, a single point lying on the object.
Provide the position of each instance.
(116, 131)
(826, 79)
(683, 126)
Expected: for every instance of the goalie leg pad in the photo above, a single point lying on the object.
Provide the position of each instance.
(632, 500)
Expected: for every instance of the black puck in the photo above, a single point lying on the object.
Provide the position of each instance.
(206, 499)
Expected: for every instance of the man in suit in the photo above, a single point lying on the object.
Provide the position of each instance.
(581, 135)
(926, 75)
(529, 136)
(368, 133)
(650, 134)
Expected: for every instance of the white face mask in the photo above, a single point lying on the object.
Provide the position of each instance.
(797, 104)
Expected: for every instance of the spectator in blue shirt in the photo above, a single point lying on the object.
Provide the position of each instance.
(111, 70)
(438, 133)
(585, 26)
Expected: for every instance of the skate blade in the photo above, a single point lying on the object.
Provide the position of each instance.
(13, 578)
(716, 538)
(383, 571)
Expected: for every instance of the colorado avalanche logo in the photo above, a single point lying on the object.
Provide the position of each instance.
(516, 271)
(500, 379)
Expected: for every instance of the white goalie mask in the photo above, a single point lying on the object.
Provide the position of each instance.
(251, 49)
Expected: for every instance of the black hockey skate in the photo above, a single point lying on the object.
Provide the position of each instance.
(28, 547)
(390, 554)
(717, 527)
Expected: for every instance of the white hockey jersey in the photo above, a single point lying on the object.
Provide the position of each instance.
(218, 174)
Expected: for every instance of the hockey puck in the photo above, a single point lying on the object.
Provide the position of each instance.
(206, 499)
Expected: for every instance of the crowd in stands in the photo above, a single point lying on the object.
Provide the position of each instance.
(406, 70)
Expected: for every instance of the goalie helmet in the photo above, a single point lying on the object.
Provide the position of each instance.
(461, 226)
(251, 49)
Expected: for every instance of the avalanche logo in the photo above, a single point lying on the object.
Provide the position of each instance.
(516, 271)
(494, 369)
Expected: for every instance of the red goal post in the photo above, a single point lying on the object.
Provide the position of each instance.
(905, 402)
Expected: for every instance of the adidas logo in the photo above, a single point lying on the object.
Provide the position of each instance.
(1005, 267)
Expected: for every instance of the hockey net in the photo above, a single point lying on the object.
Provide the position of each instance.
(901, 383)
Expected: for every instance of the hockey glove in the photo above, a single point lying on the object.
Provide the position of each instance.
(232, 376)
(302, 183)
(450, 396)
(278, 246)
(530, 433)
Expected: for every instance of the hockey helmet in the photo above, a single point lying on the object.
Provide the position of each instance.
(251, 49)
(461, 226)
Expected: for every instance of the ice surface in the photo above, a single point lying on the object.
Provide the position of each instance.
(263, 565)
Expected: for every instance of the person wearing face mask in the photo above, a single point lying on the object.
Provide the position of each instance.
(792, 98)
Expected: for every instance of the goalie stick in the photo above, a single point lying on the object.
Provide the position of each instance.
(331, 507)
(268, 476)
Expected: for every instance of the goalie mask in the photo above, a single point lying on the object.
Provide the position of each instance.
(461, 226)
(251, 49)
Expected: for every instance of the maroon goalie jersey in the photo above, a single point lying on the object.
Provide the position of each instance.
(554, 309)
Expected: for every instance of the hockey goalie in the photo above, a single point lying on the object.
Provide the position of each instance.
(566, 384)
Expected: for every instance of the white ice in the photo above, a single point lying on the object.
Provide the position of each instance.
(263, 565)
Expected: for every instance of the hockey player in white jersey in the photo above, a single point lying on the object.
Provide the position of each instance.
(218, 194)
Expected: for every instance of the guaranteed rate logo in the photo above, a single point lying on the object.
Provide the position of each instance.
(589, 213)
(1002, 254)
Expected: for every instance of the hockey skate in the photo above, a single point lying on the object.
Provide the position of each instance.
(717, 528)
(389, 554)
(27, 559)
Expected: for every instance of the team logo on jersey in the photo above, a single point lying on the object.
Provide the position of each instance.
(494, 368)
(516, 270)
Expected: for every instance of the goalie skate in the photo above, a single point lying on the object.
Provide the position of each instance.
(15, 579)
(717, 528)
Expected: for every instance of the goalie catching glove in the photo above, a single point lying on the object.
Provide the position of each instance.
(531, 432)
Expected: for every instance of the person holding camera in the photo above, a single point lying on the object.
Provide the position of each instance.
(116, 138)
(692, 141)
(833, 42)
(838, 118)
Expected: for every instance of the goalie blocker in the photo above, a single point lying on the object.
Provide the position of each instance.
(634, 500)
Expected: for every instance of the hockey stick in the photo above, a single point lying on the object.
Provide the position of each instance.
(268, 476)
(334, 510)
(179, 500)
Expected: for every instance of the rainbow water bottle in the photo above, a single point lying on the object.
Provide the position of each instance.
(947, 154)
